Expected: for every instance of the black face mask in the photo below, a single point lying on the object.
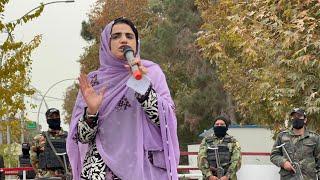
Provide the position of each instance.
(220, 131)
(297, 123)
(54, 124)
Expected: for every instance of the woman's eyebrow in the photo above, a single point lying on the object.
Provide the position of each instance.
(120, 32)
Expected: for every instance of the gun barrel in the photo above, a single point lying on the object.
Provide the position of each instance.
(298, 170)
(281, 145)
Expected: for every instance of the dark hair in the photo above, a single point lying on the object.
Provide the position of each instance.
(123, 20)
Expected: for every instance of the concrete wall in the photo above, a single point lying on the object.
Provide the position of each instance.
(254, 140)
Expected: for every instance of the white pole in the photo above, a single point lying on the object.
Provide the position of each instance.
(9, 141)
(43, 97)
(24, 174)
(22, 127)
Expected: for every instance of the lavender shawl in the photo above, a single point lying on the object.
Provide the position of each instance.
(126, 137)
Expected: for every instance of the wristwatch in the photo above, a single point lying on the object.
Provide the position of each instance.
(91, 115)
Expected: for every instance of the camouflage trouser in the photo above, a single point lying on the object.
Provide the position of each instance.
(68, 177)
(42, 175)
(44, 178)
(295, 177)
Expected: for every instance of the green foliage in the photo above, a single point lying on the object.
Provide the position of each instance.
(69, 101)
(267, 54)
(15, 65)
(15, 69)
(197, 92)
(85, 32)
(11, 157)
(89, 60)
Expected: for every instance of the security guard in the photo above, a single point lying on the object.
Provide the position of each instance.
(24, 161)
(219, 156)
(297, 151)
(48, 151)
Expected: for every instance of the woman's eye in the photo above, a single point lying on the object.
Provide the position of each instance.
(115, 36)
(130, 36)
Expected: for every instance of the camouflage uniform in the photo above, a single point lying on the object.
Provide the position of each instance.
(304, 149)
(38, 145)
(235, 151)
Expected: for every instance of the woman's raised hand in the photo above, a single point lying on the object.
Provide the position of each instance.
(92, 98)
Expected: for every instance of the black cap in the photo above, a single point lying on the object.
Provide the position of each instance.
(226, 120)
(299, 111)
(52, 111)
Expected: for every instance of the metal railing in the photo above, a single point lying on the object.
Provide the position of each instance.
(15, 171)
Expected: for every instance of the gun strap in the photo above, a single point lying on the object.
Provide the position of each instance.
(54, 150)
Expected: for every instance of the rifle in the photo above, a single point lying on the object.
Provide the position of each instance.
(219, 170)
(296, 165)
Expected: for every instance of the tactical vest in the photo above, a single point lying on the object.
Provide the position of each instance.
(223, 151)
(25, 162)
(48, 159)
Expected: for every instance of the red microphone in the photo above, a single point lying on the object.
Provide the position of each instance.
(128, 54)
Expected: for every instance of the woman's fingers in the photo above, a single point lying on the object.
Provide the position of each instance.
(143, 69)
(127, 67)
(82, 81)
(137, 62)
(84, 84)
(81, 84)
(85, 81)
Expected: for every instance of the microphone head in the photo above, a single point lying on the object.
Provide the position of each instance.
(137, 75)
(126, 49)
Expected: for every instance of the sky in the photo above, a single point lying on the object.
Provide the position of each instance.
(56, 58)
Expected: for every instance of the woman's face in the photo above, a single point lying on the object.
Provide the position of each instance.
(121, 35)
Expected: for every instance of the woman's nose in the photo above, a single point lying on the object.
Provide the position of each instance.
(123, 39)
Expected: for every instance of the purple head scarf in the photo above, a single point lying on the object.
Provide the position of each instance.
(126, 137)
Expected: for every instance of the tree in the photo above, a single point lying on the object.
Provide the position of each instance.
(15, 64)
(267, 55)
(69, 101)
(194, 86)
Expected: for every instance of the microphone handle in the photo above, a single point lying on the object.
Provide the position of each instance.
(134, 68)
